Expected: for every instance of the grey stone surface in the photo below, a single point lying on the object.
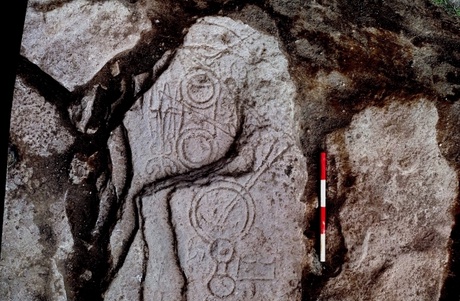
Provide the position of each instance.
(36, 236)
(72, 40)
(237, 227)
(210, 211)
(396, 218)
(127, 285)
(35, 124)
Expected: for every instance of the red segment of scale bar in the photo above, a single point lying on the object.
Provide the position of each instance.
(323, 220)
(323, 166)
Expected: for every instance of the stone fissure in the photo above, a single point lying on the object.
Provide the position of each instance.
(450, 148)
(450, 289)
(48, 87)
(145, 250)
(172, 226)
(126, 244)
(208, 117)
(314, 280)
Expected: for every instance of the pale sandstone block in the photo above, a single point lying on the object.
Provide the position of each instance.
(72, 42)
(396, 219)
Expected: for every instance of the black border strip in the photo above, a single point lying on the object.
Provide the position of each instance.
(12, 33)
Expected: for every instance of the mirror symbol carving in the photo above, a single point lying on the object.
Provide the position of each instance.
(208, 147)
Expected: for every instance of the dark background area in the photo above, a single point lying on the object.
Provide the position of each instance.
(12, 32)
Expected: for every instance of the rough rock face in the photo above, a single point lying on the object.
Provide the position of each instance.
(237, 222)
(35, 124)
(153, 151)
(398, 192)
(36, 234)
(72, 50)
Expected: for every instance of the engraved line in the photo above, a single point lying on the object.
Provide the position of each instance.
(225, 214)
(265, 165)
(261, 170)
(208, 120)
(160, 112)
(231, 204)
(230, 209)
(242, 39)
(168, 120)
(198, 55)
(222, 26)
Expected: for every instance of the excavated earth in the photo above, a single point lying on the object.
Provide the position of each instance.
(169, 150)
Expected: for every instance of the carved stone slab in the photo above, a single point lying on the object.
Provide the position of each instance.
(218, 126)
(396, 219)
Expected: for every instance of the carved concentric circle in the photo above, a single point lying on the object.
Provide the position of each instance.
(200, 89)
(224, 212)
(221, 286)
(196, 148)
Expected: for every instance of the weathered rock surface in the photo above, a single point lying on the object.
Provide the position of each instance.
(36, 234)
(222, 110)
(210, 211)
(35, 124)
(72, 40)
(398, 194)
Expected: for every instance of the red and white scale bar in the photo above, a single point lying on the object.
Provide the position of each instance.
(322, 216)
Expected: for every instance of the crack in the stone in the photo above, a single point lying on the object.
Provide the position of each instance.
(312, 284)
(162, 184)
(205, 172)
(450, 289)
(133, 209)
(56, 94)
(448, 122)
(175, 243)
(59, 98)
(49, 6)
(174, 183)
(50, 89)
(145, 249)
